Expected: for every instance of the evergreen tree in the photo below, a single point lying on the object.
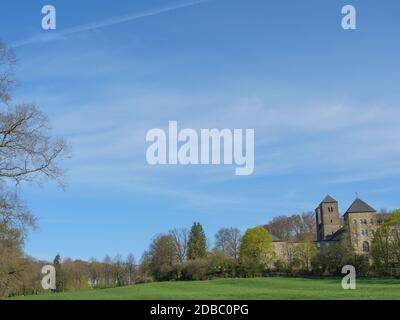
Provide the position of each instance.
(197, 244)
(59, 275)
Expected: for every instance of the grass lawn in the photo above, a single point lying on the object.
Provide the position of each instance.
(237, 289)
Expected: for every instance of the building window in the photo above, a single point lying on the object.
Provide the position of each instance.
(366, 246)
(361, 221)
(355, 221)
(364, 232)
(365, 221)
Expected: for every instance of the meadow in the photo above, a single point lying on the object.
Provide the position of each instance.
(274, 288)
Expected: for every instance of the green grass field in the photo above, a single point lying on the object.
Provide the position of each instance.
(237, 289)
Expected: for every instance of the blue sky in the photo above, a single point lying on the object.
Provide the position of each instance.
(324, 103)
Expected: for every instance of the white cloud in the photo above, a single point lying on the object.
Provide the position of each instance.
(63, 34)
(107, 129)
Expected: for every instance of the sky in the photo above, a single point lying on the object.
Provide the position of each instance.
(323, 101)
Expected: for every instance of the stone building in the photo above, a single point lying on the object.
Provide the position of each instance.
(358, 224)
(283, 250)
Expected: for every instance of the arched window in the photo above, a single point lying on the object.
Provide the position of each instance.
(355, 221)
(366, 246)
(365, 221)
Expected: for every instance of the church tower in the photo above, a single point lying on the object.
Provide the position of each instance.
(361, 222)
(327, 218)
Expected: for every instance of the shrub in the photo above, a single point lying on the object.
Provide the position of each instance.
(249, 268)
(197, 269)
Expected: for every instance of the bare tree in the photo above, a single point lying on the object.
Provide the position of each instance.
(309, 231)
(7, 62)
(280, 227)
(14, 216)
(228, 241)
(294, 228)
(27, 153)
(108, 272)
(144, 270)
(163, 255)
(130, 268)
(180, 238)
(119, 272)
(26, 150)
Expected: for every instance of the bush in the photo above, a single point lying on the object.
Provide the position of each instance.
(282, 266)
(221, 266)
(197, 269)
(167, 272)
(250, 268)
(360, 262)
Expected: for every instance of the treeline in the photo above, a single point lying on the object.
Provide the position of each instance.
(183, 254)
(71, 275)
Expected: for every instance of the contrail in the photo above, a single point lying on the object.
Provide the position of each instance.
(42, 38)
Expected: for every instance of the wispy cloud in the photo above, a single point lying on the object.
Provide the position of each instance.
(59, 35)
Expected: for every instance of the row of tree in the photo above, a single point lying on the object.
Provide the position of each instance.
(183, 254)
(254, 254)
